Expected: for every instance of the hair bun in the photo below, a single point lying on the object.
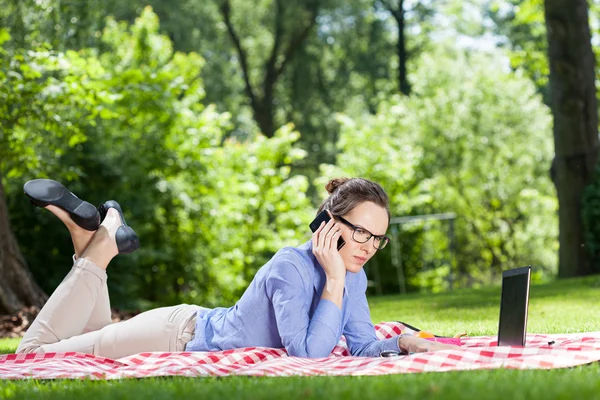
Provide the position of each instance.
(333, 184)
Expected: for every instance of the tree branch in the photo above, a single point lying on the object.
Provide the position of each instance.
(271, 71)
(396, 12)
(297, 40)
(225, 9)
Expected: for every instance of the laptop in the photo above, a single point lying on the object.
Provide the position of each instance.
(513, 306)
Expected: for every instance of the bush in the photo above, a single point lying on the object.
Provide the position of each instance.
(471, 139)
(208, 211)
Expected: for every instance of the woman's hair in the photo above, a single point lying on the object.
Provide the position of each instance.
(347, 193)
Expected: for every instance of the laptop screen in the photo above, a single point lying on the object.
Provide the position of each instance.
(513, 307)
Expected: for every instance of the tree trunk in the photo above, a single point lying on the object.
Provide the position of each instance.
(403, 83)
(263, 115)
(263, 106)
(17, 287)
(573, 100)
(400, 17)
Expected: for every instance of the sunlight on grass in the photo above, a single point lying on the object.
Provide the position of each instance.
(574, 383)
(563, 306)
(558, 307)
(8, 345)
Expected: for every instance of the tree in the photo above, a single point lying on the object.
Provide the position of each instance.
(473, 139)
(33, 103)
(130, 124)
(398, 12)
(406, 16)
(574, 107)
(287, 39)
(17, 286)
(521, 27)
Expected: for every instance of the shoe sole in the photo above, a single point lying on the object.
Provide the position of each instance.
(45, 192)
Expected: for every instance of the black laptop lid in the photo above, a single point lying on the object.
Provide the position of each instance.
(513, 307)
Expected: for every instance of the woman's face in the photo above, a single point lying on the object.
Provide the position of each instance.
(368, 216)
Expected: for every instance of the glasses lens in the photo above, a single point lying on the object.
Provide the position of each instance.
(360, 235)
(381, 243)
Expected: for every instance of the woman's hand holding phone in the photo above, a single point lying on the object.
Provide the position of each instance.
(324, 241)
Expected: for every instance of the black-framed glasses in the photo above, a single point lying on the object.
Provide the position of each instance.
(361, 235)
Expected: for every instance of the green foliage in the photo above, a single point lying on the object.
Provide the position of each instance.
(523, 25)
(208, 213)
(246, 207)
(63, 24)
(42, 101)
(116, 110)
(485, 137)
(471, 139)
(350, 52)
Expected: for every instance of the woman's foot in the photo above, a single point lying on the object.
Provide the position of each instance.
(48, 192)
(81, 237)
(103, 246)
(127, 239)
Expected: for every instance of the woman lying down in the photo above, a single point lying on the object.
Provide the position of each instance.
(304, 299)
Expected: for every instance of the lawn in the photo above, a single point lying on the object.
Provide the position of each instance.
(565, 306)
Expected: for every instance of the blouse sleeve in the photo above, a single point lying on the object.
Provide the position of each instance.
(290, 290)
(359, 331)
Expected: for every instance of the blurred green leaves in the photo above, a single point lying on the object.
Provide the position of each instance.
(208, 211)
(130, 119)
(471, 139)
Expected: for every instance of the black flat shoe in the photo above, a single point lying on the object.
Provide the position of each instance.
(127, 239)
(44, 192)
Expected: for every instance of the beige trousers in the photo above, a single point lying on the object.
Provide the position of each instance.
(77, 318)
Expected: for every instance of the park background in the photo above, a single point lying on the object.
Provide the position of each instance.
(216, 124)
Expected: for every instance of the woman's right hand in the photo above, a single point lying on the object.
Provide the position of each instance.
(412, 344)
(324, 241)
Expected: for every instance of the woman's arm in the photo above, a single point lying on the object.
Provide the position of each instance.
(290, 290)
(359, 330)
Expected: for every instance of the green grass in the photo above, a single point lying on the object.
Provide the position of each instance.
(564, 306)
(8, 345)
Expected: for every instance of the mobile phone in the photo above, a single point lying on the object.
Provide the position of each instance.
(324, 217)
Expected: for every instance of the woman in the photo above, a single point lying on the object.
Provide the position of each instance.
(302, 300)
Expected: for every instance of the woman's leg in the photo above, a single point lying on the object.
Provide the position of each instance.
(101, 314)
(81, 238)
(165, 329)
(69, 310)
(81, 302)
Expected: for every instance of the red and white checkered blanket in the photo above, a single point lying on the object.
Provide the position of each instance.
(476, 353)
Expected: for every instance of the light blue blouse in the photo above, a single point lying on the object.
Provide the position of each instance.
(282, 308)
